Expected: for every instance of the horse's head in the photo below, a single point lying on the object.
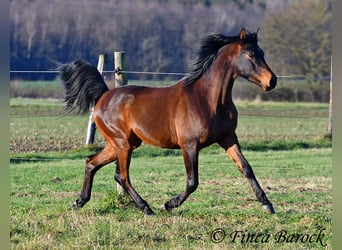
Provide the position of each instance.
(250, 63)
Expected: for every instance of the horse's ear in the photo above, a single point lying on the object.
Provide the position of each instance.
(243, 34)
(257, 32)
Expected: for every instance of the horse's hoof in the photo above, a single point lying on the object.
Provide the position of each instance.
(148, 211)
(269, 209)
(76, 204)
(165, 208)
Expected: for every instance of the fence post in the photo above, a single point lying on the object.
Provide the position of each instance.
(119, 64)
(120, 80)
(91, 125)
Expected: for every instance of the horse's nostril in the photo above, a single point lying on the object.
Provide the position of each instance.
(273, 82)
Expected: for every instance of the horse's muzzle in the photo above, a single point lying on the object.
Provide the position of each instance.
(273, 83)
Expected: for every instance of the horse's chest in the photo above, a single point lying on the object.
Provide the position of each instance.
(217, 128)
(223, 126)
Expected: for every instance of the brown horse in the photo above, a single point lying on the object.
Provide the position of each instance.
(192, 114)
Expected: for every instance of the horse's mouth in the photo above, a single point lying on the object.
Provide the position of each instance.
(265, 84)
(268, 88)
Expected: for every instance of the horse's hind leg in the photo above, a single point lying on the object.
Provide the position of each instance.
(93, 164)
(232, 147)
(122, 177)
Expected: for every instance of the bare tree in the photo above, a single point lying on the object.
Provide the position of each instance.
(157, 35)
(298, 38)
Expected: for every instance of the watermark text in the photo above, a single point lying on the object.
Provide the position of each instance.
(281, 237)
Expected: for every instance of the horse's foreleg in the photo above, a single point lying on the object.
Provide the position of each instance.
(190, 155)
(122, 177)
(233, 150)
(93, 164)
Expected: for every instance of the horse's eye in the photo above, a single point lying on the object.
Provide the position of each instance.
(250, 54)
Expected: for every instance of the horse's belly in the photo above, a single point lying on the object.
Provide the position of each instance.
(156, 136)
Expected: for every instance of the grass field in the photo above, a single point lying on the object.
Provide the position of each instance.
(284, 142)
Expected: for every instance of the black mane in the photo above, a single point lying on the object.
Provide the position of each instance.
(207, 53)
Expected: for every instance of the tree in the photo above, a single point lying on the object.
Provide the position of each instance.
(157, 35)
(298, 38)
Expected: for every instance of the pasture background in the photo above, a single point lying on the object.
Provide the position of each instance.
(284, 142)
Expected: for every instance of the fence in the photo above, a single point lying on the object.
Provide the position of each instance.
(120, 79)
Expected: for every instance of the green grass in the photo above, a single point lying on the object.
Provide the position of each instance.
(42, 192)
(39, 125)
(284, 142)
(36, 89)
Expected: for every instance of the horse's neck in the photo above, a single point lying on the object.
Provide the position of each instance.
(218, 84)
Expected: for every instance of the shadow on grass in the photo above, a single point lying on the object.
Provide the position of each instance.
(112, 202)
(77, 154)
(19, 160)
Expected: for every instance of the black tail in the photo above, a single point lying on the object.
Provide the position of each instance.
(83, 86)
